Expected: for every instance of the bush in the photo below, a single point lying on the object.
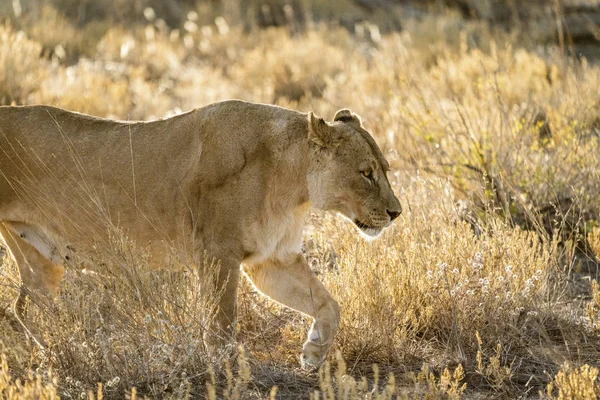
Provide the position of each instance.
(21, 70)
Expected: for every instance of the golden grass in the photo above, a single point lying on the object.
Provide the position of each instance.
(34, 386)
(495, 156)
(574, 383)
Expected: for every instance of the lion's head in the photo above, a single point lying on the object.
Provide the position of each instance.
(348, 173)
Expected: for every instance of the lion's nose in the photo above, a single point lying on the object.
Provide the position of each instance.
(393, 214)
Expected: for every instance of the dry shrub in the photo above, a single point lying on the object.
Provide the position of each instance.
(87, 87)
(431, 281)
(33, 387)
(594, 241)
(59, 37)
(143, 327)
(125, 325)
(36, 386)
(424, 384)
(203, 85)
(437, 35)
(147, 48)
(212, 44)
(594, 305)
(150, 100)
(123, 11)
(283, 67)
(51, 29)
(21, 70)
(574, 383)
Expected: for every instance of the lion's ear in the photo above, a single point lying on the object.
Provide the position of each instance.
(321, 133)
(348, 117)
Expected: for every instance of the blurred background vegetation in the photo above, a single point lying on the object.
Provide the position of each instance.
(573, 24)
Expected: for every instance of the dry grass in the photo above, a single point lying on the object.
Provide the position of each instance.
(22, 70)
(495, 156)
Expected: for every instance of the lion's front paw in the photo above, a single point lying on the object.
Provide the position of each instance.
(314, 351)
(313, 355)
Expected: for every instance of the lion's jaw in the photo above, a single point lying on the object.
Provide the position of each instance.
(320, 198)
(368, 232)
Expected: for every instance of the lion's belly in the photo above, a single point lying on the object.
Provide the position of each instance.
(63, 243)
(48, 247)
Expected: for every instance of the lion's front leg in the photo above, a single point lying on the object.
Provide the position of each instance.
(221, 329)
(293, 284)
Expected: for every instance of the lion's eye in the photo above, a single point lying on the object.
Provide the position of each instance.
(367, 174)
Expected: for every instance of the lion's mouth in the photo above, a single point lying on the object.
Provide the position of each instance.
(370, 231)
(364, 226)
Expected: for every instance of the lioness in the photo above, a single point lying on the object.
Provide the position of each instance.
(232, 179)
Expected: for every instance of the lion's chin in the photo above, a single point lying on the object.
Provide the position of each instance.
(366, 231)
(370, 234)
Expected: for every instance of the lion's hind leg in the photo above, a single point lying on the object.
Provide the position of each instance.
(40, 277)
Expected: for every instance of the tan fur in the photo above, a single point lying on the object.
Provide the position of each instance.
(232, 179)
